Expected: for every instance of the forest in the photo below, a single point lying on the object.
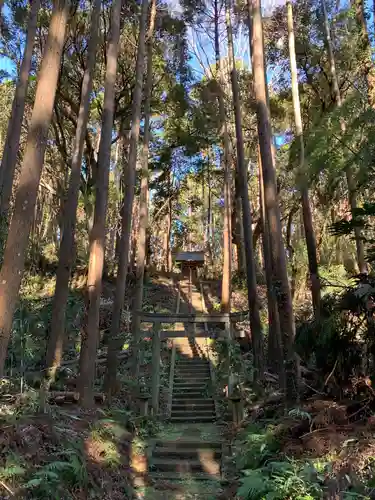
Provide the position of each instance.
(187, 249)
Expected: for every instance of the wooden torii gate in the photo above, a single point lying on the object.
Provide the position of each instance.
(158, 334)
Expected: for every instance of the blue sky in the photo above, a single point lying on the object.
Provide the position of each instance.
(5, 63)
(241, 40)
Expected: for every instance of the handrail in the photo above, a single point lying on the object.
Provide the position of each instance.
(171, 379)
(173, 360)
(155, 379)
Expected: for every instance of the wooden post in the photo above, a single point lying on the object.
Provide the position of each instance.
(237, 409)
(143, 404)
(234, 395)
(228, 329)
(192, 326)
(155, 369)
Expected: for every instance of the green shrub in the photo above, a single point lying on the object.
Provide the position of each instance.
(282, 480)
(54, 478)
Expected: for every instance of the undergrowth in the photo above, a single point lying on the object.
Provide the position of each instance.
(65, 454)
(269, 474)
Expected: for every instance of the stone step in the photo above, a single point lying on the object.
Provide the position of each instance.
(191, 402)
(190, 407)
(192, 369)
(192, 366)
(186, 390)
(185, 466)
(187, 453)
(192, 361)
(193, 386)
(193, 414)
(185, 419)
(190, 383)
(180, 476)
(188, 442)
(185, 380)
(191, 376)
(189, 394)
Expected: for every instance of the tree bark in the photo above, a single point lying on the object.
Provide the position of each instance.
(90, 336)
(280, 274)
(252, 293)
(209, 216)
(143, 203)
(169, 225)
(237, 224)
(275, 355)
(369, 70)
(115, 340)
(352, 189)
(66, 252)
(19, 230)
(302, 180)
(227, 232)
(12, 142)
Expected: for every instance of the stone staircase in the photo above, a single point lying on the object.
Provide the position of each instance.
(186, 459)
(190, 400)
(193, 452)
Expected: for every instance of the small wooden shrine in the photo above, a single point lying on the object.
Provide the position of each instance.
(189, 262)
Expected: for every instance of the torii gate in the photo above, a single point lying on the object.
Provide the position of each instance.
(158, 334)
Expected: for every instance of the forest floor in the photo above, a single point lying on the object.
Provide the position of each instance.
(68, 453)
(326, 446)
(322, 449)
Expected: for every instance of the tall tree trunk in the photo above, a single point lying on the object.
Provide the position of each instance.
(169, 233)
(164, 253)
(227, 233)
(204, 212)
(209, 216)
(66, 252)
(124, 138)
(237, 224)
(302, 180)
(115, 341)
(369, 69)
(12, 142)
(275, 356)
(134, 234)
(352, 188)
(280, 274)
(90, 336)
(16, 246)
(252, 293)
(143, 203)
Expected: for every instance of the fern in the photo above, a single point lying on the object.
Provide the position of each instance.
(53, 478)
(254, 485)
(11, 471)
(298, 413)
(281, 480)
(259, 446)
(13, 467)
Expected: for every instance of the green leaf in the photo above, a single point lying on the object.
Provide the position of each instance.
(254, 486)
